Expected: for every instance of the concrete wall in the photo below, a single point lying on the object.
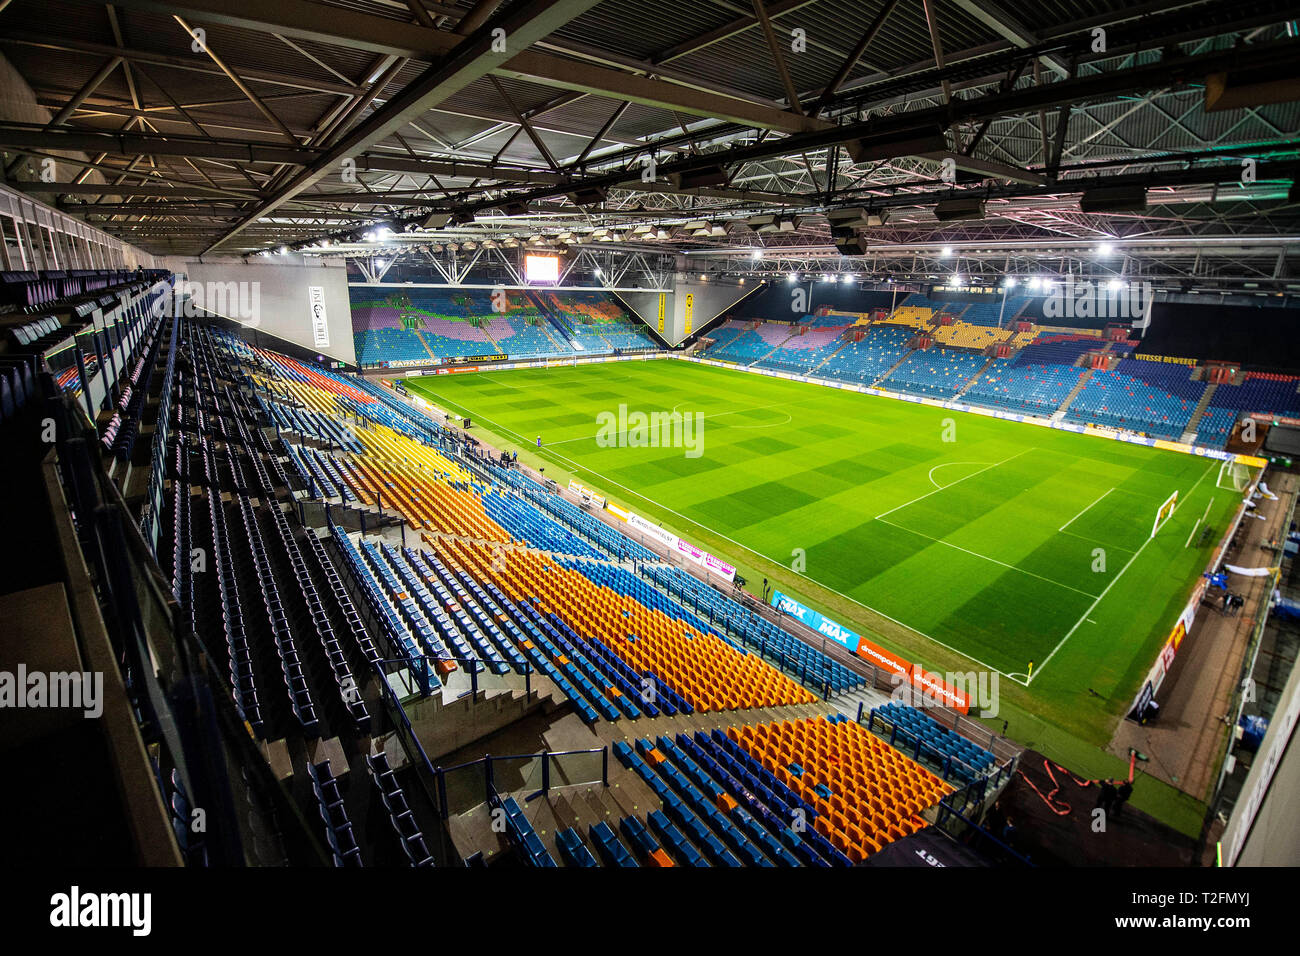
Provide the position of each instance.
(696, 302)
(283, 298)
(1264, 829)
(646, 305)
(707, 300)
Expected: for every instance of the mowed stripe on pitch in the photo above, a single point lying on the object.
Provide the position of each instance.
(817, 482)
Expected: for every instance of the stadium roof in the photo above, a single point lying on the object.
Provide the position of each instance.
(236, 126)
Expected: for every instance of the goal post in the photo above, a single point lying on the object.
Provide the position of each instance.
(1164, 513)
(1233, 475)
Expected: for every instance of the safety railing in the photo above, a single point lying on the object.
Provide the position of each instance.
(967, 832)
(466, 785)
(424, 670)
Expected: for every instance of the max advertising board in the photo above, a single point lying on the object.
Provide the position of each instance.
(814, 620)
(932, 684)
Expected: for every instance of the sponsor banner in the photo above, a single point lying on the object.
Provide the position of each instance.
(1269, 417)
(644, 526)
(586, 494)
(1144, 697)
(320, 329)
(408, 363)
(689, 311)
(815, 621)
(714, 565)
(663, 301)
(718, 566)
(936, 688)
(883, 659)
(617, 512)
(933, 685)
(466, 359)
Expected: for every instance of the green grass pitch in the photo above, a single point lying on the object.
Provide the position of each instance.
(962, 541)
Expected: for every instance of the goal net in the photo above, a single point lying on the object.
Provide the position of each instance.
(1233, 475)
(1164, 513)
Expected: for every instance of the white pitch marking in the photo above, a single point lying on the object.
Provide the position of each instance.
(945, 465)
(1188, 542)
(976, 554)
(1106, 590)
(957, 482)
(1085, 510)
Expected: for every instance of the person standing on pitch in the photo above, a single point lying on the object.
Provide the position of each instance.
(539, 441)
(1121, 797)
(1106, 799)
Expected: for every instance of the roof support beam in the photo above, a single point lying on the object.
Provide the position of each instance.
(192, 64)
(472, 59)
(851, 60)
(986, 13)
(345, 28)
(587, 78)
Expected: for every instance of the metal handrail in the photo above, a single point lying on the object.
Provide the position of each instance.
(488, 760)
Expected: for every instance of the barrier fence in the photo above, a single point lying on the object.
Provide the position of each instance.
(466, 785)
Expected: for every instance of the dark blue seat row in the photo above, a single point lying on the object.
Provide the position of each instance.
(338, 828)
(573, 850)
(611, 851)
(399, 813)
(523, 836)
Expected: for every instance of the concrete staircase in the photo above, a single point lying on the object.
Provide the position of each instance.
(890, 371)
(842, 347)
(868, 697)
(456, 717)
(973, 379)
(1071, 396)
(1199, 412)
(419, 336)
(769, 353)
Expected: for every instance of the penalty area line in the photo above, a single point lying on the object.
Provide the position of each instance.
(1085, 510)
(1061, 643)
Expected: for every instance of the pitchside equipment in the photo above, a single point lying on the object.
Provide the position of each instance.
(1163, 515)
(1233, 475)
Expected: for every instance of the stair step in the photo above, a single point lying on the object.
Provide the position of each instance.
(564, 814)
(1072, 395)
(602, 810)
